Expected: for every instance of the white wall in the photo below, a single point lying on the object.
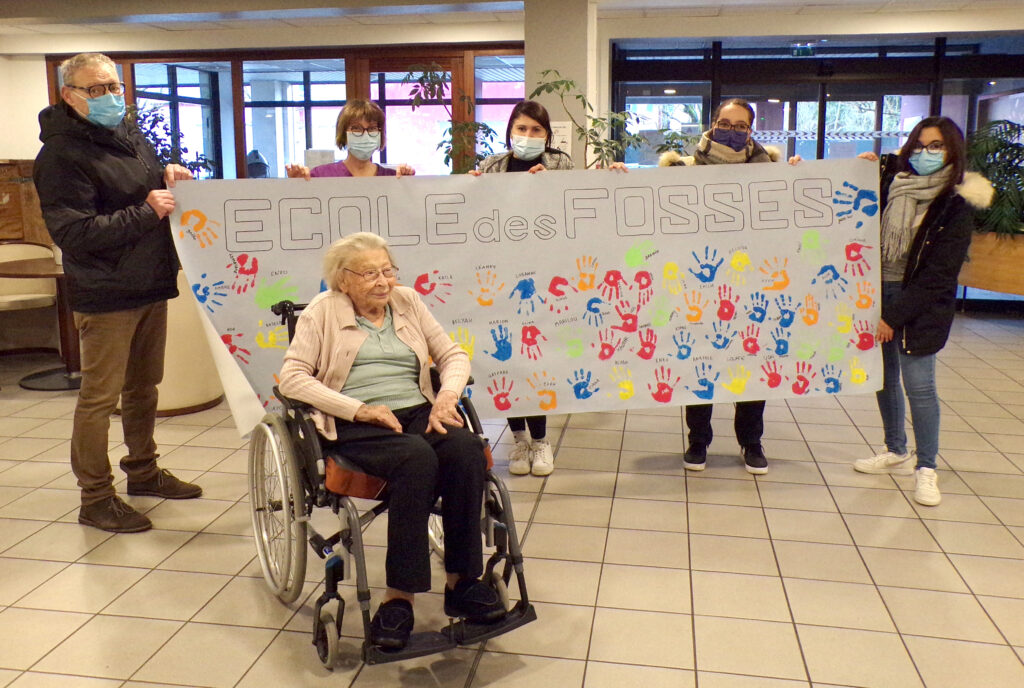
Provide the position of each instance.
(24, 95)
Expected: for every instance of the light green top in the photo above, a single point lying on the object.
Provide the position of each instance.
(385, 370)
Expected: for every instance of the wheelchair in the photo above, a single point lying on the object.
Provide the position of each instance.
(289, 475)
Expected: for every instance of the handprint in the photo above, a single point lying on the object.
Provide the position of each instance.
(776, 273)
(502, 344)
(684, 344)
(639, 252)
(426, 285)
(557, 300)
(662, 311)
(662, 390)
(863, 200)
(833, 377)
(833, 281)
(501, 392)
(464, 339)
(856, 263)
(627, 315)
(581, 381)
(739, 264)
(706, 377)
(208, 294)
(623, 379)
(643, 281)
(235, 350)
(611, 287)
(810, 311)
(786, 313)
(531, 345)
(528, 296)
(593, 315)
(487, 287)
(772, 374)
(812, 248)
(544, 385)
(844, 319)
(200, 231)
(695, 305)
(587, 268)
(750, 335)
(757, 309)
(738, 378)
(274, 338)
(806, 349)
(609, 344)
(648, 342)
(865, 340)
(804, 374)
(836, 348)
(858, 375)
(268, 294)
(781, 338)
(670, 279)
(726, 302)
(721, 336)
(572, 341)
(244, 272)
(708, 267)
(865, 292)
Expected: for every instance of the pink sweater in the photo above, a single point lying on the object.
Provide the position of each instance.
(327, 339)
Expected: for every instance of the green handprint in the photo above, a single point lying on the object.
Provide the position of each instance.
(269, 294)
(836, 348)
(638, 252)
(661, 311)
(812, 249)
(806, 349)
(572, 340)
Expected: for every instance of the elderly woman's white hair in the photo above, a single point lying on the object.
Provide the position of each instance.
(343, 251)
(70, 66)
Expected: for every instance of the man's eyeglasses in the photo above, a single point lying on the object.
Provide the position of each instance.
(371, 276)
(364, 130)
(100, 90)
(724, 125)
(933, 147)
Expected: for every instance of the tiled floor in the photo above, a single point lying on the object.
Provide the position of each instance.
(642, 575)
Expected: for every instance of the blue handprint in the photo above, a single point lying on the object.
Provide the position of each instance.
(684, 344)
(757, 307)
(708, 268)
(723, 334)
(593, 315)
(528, 295)
(832, 374)
(502, 344)
(786, 310)
(581, 382)
(781, 338)
(207, 294)
(833, 281)
(705, 388)
(863, 200)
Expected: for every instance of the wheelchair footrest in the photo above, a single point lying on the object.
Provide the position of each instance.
(466, 633)
(419, 644)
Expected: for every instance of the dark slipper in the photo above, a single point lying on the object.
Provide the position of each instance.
(474, 601)
(392, 624)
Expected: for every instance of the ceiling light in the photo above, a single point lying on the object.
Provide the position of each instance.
(672, 91)
(774, 100)
(991, 83)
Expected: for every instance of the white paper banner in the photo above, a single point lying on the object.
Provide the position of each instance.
(575, 291)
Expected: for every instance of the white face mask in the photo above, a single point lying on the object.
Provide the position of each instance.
(362, 145)
(527, 148)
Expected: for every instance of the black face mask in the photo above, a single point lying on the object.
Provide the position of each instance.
(737, 140)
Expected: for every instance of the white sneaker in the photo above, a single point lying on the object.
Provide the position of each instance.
(926, 491)
(519, 461)
(886, 462)
(542, 457)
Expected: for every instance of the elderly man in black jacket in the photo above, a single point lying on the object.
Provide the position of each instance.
(105, 201)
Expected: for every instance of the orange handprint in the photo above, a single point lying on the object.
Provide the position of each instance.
(865, 294)
(544, 385)
(199, 231)
(486, 288)
(809, 312)
(695, 305)
(775, 270)
(587, 267)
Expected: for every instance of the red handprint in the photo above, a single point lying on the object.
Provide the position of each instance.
(750, 343)
(773, 376)
(611, 286)
(644, 282)
(556, 287)
(501, 392)
(648, 342)
(234, 349)
(726, 302)
(856, 264)
(865, 340)
(609, 342)
(245, 272)
(629, 318)
(804, 374)
(662, 390)
(530, 345)
(425, 285)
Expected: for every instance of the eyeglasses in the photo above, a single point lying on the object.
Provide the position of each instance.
(725, 125)
(364, 130)
(933, 147)
(100, 90)
(371, 276)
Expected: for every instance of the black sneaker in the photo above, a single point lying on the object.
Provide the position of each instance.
(113, 516)
(757, 462)
(695, 457)
(474, 601)
(392, 624)
(165, 485)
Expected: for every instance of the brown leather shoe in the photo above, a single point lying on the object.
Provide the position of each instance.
(113, 515)
(165, 485)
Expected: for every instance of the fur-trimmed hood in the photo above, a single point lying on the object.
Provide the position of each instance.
(673, 158)
(976, 190)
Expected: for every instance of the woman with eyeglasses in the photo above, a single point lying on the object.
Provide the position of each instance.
(728, 142)
(928, 203)
(361, 357)
(360, 131)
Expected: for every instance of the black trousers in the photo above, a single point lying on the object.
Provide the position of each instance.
(538, 425)
(748, 423)
(420, 467)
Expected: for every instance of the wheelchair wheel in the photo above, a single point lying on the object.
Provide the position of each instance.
(435, 532)
(278, 508)
(326, 635)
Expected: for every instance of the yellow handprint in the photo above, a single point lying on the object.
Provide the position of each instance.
(623, 377)
(544, 384)
(858, 375)
(737, 380)
(276, 338)
(844, 317)
(739, 263)
(670, 279)
(486, 288)
(695, 305)
(465, 339)
(587, 267)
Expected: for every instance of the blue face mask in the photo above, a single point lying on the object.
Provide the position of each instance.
(926, 162)
(527, 147)
(737, 140)
(362, 145)
(106, 111)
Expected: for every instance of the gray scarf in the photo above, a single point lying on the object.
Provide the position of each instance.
(710, 153)
(909, 196)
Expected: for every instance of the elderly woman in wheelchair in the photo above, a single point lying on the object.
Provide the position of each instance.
(361, 356)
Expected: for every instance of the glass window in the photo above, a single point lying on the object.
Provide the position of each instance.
(678, 107)
(500, 84)
(412, 135)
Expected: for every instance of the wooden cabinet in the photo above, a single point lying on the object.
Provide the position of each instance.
(20, 217)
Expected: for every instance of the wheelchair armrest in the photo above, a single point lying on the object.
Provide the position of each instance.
(435, 379)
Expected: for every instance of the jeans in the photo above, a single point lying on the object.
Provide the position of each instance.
(919, 382)
(748, 422)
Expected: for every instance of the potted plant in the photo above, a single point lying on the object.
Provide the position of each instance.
(996, 150)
